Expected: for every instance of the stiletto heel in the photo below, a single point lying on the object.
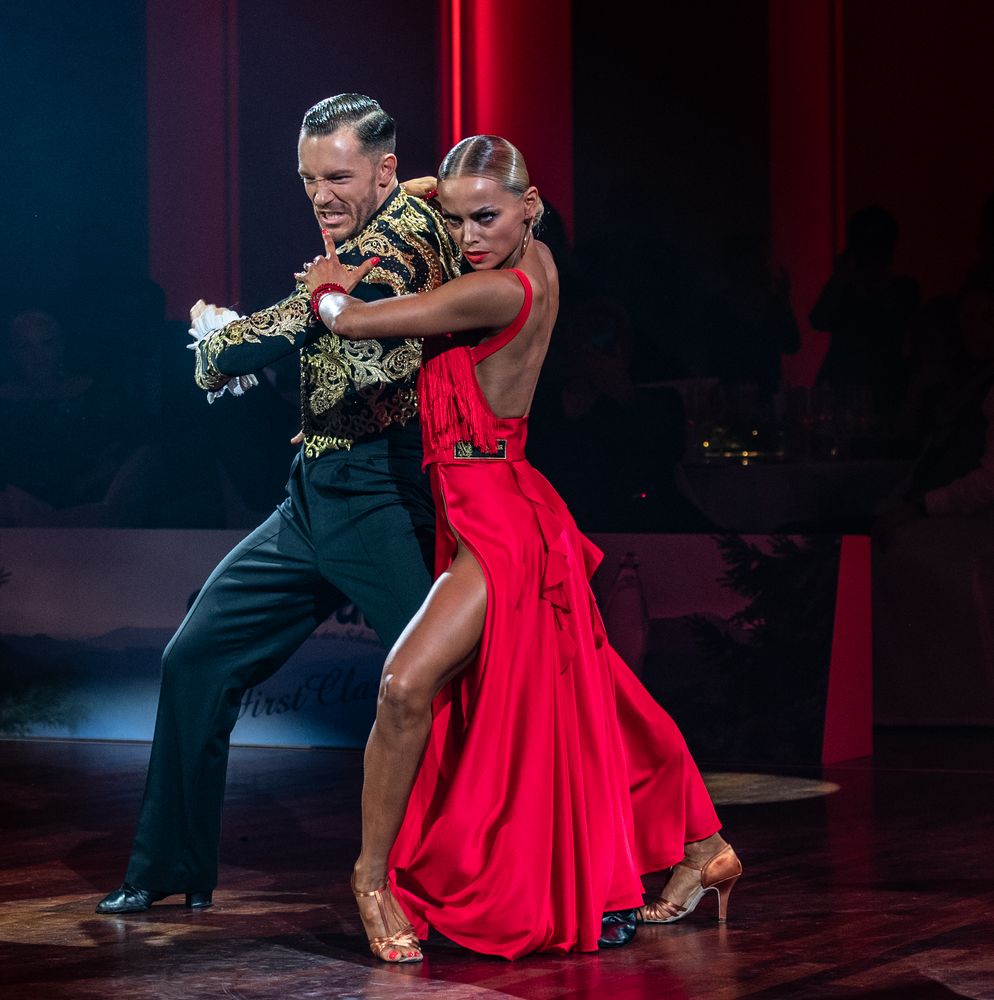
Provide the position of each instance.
(719, 873)
(400, 945)
(724, 890)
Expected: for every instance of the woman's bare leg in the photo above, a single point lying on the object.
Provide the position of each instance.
(432, 650)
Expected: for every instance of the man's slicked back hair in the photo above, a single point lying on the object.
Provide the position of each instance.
(374, 128)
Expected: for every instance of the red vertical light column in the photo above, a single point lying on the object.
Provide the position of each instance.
(193, 152)
(506, 68)
(806, 177)
(838, 126)
(450, 43)
(848, 731)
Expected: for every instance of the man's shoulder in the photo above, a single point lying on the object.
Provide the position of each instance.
(415, 217)
(416, 251)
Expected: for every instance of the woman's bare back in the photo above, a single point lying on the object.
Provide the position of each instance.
(509, 376)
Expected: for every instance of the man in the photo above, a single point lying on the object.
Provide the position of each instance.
(356, 525)
(867, 308)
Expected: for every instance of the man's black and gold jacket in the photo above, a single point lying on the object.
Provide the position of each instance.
(348, 389)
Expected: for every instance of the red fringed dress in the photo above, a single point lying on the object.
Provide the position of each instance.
(551, 779)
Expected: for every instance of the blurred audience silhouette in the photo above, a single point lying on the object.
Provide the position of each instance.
(64, 432)
(102, 424)
(867, 309)
(937, 363)
(608, 446)
(954, 471)
(981, 274)
(107, 428)
(751, 323)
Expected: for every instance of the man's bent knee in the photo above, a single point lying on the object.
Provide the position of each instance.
(186, 653)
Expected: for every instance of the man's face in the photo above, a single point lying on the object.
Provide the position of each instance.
(346, 185)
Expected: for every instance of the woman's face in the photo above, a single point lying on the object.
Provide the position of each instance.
(486, 221)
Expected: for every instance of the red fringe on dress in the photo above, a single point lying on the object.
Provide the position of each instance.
(452, 406)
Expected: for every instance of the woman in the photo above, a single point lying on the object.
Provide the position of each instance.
(518, 778)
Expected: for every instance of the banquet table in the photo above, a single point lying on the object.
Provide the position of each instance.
(769, 496)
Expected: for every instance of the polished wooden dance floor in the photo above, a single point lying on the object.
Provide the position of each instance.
(869, 879)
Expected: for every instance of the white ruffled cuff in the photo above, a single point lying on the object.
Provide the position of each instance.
(206, 319)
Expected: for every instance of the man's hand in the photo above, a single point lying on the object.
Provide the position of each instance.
(329, 270)
(206, 319)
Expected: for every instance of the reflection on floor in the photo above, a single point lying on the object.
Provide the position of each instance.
(868, 879)
(729, 788)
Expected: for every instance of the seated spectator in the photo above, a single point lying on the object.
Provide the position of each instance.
(982, 271)
(752, 323)
(954, 474)
(63, 436)
(937, 365)
(131, 442)
(618, 471)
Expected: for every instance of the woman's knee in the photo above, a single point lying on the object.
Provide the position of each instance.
(404, 701)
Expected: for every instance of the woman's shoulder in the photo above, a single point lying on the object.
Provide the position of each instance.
(540, 269)
(550, 273)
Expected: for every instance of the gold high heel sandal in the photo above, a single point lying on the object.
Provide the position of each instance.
(400, 945)
(720, 872)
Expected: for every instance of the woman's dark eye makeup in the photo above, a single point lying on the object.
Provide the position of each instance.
(483, 215)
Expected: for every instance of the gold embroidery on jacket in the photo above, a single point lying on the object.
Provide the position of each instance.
(285, 319)
(351, 389)
(335, 365)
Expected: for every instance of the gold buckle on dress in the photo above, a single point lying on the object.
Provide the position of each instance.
(466, 449)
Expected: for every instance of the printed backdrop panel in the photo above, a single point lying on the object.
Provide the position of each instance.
(85, 615)
(731, 634)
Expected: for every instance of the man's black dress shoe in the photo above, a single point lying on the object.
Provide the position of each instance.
(617, 928)
(130, 899)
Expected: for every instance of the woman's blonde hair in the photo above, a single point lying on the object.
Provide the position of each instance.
(493, 157)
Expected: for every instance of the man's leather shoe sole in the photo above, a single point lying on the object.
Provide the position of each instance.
(617, 928)
(130, 899)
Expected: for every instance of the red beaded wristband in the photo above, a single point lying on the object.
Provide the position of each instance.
(322, 290)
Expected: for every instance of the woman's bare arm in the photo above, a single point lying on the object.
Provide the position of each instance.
(482, 300)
